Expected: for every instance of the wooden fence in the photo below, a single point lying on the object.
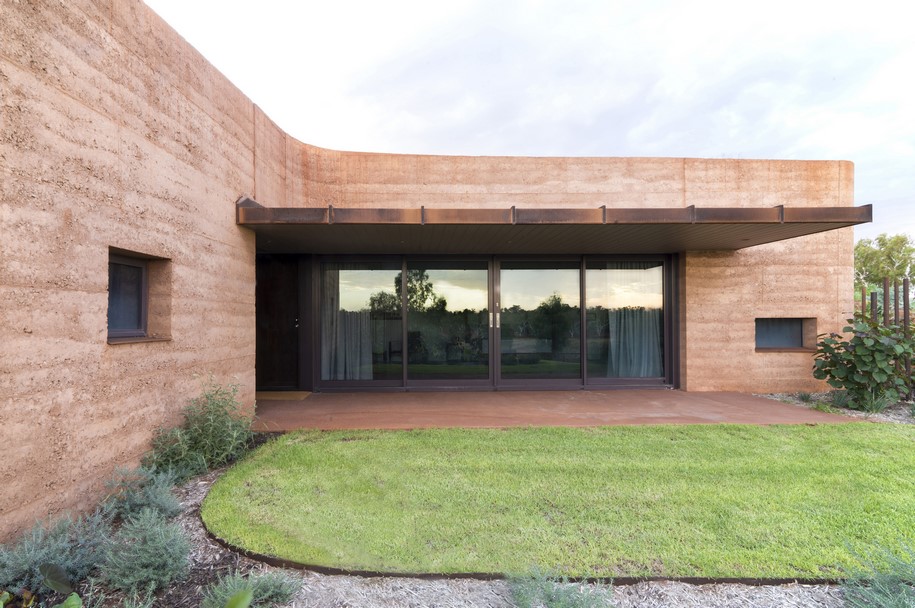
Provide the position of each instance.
(893, 313)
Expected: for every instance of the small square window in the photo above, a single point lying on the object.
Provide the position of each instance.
(127, 297)
(139, 297)
(785, 333)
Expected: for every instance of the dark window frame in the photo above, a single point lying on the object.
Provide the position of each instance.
(671, 325)
(770, 333)
(143, 264)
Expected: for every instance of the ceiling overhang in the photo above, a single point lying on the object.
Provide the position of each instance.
(332, 230)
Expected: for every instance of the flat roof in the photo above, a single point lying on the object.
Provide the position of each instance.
(601, 230)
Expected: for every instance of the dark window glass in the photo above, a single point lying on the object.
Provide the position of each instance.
(540, 325)
(625, 313)
(126, 298)
(448, 320)
(779, 333)
(361, 321)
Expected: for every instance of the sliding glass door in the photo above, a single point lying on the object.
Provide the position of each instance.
(540, 321)
(452, 323)
(625, 320)
(447, 322)
(361, 323)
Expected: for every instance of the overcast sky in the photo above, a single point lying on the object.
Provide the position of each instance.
(783, 80)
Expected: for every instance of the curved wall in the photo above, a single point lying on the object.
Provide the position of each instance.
(114, 132)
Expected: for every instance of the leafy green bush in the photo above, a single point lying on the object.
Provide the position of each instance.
(868, 364)
(214, 432)
(147, 553)
(73, 544)
(804, 397)
(131, 491)
(890, 586)
(542, 590)
(267, 589)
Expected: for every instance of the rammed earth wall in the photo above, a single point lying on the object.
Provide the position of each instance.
(116, 133)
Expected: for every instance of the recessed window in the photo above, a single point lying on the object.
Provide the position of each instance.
(127, 297)
(785, 333)
(139, 297)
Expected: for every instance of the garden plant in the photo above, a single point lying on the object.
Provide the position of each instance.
(129, 547)
(868, 362)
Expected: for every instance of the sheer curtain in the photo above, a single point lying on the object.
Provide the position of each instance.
(635, 343)
(346, 336)
(635, 321)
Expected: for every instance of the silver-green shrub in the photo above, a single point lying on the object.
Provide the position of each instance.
(75, 545)
(146, 554)
(542, 590)
(267, 589)
(890, 585)
(215, 431)
(132, 490)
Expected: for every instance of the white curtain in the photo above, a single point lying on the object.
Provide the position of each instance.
(346, 336)
(635, 319)
(635, 343)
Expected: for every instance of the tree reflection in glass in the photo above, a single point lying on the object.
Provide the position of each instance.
(541, 324)
(447, 321)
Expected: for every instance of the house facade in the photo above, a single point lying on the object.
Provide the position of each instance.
(159, 229)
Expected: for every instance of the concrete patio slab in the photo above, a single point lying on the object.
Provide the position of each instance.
(500, 409)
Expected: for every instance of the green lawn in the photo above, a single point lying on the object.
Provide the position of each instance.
(725, 500)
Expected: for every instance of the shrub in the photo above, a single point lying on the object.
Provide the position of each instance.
(214, 432)
(539, 589)
(804, 397)
(131, 491)
(73, 545)
(93, 596)
(841, 399)
(869, 364)
(146, 554)
(137, 599)
(266, 589)
(876, 403)
(890, 586)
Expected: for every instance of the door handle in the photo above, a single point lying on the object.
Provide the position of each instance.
(498, 319)
(490, 320)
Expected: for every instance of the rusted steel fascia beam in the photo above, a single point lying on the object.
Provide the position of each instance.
(249, 212)
(467, 216)
(850, 215)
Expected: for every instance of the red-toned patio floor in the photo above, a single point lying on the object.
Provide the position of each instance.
(286, 412)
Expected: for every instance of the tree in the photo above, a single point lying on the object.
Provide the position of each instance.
(554, 320)
(384, 304)
(421, 296)
(890, 257)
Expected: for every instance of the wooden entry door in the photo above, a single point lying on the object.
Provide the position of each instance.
(277, 304)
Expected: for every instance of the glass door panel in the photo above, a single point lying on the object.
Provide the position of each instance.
(625, 302)
(448, 321)
(540, 320)
(361, 321)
